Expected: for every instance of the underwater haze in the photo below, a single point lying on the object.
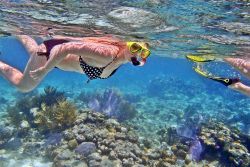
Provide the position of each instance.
(160, 115)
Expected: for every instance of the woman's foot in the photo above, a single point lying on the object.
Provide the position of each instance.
(38, 74)
(2, 67)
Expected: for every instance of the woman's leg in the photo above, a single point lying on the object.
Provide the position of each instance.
(29, 43)
(11, 74)
(243, 66)
(23, 81)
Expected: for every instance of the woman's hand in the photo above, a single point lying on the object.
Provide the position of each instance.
(38, 73)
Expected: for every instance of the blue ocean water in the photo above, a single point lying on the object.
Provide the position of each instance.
(164, 112)
(14, 54)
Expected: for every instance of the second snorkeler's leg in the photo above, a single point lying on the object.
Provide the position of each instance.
(240, 64)
(243, 66)
(240, 87)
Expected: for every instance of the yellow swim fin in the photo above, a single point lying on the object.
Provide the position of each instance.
(224, 81)
(198, 70)
(200, 58)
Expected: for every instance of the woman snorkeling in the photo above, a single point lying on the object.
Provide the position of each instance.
(97, 57)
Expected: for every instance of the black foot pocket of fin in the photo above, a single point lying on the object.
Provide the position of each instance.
(226, 81)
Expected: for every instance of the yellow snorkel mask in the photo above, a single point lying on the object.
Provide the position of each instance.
(142, 51)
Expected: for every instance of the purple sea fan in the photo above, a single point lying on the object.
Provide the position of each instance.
(186, 131)
(113, 104)
(108, 103)
(195, 150)
(94, 105)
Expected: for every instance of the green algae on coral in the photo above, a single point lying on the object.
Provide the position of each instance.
(219, 139)
(50, 97)
(21, 110)
(15, 116)
(65, 113)
(56, 117)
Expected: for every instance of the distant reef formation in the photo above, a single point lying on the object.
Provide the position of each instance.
(50, 126)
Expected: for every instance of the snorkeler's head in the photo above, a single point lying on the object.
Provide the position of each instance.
(140, 52)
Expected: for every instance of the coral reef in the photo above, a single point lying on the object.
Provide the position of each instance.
(93, 139)
(230, 143)
(195, 150)
(113, 104)
(48, 111)
(101, 141)
(15, 116)
(83, 96)
(7, 133)
(166, 131)
(213, 142)
(50, 97)
(53, 139)
(85, 148)
(190, 121)
(21, 111)
(56, 117)
(22, 108)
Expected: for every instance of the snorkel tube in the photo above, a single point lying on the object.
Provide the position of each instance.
(136, 62)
